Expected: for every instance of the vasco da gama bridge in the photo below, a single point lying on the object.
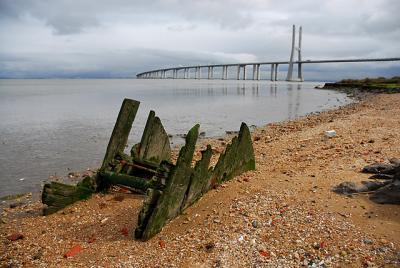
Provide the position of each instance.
(195, 71)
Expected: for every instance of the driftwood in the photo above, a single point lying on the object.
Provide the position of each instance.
(58, 195)
(169, 188)
(385, 189)
(185, 185)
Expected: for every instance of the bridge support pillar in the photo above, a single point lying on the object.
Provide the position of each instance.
(198, 73)
(276, 72)
(258, 71)
(208, 72)
(254, 71)
(272, 72)
(238, 73)
(244, 72)
(299, 68)
(212, 72)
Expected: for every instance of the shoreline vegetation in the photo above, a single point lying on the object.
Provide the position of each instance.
(372, 85)
(282, 214)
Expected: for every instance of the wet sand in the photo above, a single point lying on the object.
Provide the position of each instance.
(283, 214)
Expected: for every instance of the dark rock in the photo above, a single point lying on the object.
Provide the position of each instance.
(389, 194)
(348, 188)
(17, 204)
(379, 168)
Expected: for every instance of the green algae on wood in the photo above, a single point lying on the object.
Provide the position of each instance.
(13, 196)
(119, 136)
(122, 128)
(200, 179)
(136, 182)
(154, 145)
(169, 203)
(237, 158)
(58, 195)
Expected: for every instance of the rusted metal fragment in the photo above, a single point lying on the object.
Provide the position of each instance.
(168, 205)
(154, 145)
(58, 195)
(237, 158)
(200, 179)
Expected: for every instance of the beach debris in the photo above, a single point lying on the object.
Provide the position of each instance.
(169, 188)
(330, 133)
(13, 196)
(185, 185)
(385, 187)
(73, 251)
(15, 236)
(57, 195)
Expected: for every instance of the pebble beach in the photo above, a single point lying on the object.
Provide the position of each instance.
(283, 214)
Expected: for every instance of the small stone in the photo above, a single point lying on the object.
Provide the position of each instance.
(296, 255)
(367, 241)
(209, 247)
(254, 223)
(15, 236)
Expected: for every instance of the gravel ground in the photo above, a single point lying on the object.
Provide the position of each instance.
(284, 214)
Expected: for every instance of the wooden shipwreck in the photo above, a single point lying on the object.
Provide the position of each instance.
(169, 188)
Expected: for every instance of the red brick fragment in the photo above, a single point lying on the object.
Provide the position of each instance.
(15, 236)
(125, 231)
(74, 250)
(162, 243)
(264, 253)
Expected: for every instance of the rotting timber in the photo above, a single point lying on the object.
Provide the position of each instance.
(169, 188)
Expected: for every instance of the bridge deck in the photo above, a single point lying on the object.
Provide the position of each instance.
(274, 62)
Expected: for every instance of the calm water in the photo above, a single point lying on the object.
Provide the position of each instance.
(50, 126)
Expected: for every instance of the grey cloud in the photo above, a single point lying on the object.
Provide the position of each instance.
(122, 37)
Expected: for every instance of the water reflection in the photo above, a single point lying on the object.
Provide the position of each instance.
(52, 125)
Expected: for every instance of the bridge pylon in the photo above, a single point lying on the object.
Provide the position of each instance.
(289, 76)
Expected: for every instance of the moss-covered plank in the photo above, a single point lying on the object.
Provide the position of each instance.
(154, 145)
(58, 195)
(113, 178)
(199, 181)
(122, 127)
(119, 137)
(169, 203)
(237, 158)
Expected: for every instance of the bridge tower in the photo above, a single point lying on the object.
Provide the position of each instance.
(291, 60)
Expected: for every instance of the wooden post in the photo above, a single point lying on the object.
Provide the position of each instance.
(119, 137)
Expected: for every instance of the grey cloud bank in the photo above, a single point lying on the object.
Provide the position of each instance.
(120, 38)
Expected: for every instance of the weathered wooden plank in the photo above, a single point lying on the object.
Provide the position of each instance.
(122, 127)
(168, 205)
(119, 137)
(154, 145)
(149, 203)
(58, 195)
(237, 158)
(199, 181)
(132, 181)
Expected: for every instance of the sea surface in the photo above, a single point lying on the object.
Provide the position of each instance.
(54, 126)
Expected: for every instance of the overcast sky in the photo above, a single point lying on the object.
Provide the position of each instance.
(119, 38)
